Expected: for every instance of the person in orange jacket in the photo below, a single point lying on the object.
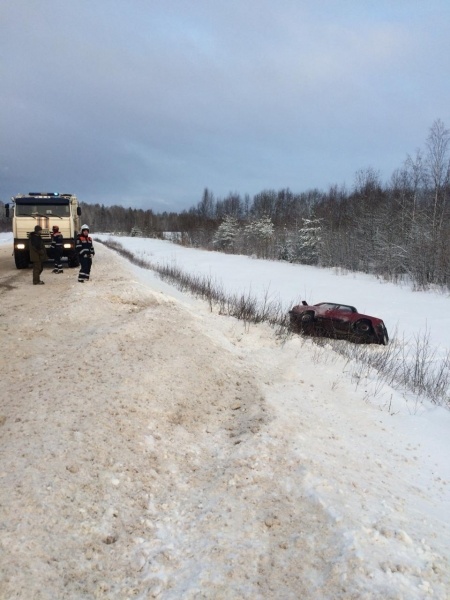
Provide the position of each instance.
(57, 247)
(85, 250)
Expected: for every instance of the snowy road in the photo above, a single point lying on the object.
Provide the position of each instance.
(151, 449)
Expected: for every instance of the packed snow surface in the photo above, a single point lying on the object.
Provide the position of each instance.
(154, 449)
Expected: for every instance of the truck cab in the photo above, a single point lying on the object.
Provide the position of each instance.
(45, 209)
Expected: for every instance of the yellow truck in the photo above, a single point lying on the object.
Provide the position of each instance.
(45, 209)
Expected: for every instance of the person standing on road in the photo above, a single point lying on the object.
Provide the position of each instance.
(57, 247)
(85, 250)
(38, 254)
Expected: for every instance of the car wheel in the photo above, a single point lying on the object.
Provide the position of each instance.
(362, 327)
(307, 318)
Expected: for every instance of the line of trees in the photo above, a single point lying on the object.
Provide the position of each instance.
(399, 230)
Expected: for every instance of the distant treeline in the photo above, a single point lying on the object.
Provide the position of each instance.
(399, 230)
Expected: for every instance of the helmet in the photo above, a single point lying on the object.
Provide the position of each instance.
(83, 227)
(37, 228)
(55, 228)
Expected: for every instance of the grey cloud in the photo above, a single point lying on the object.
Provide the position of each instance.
(151, 102)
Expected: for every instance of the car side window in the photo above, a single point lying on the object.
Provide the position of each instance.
(345, 309)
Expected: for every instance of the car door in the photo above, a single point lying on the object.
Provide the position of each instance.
(324, 316)
(340, 320)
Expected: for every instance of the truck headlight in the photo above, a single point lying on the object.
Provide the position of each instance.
(67, 245)
(20, 246)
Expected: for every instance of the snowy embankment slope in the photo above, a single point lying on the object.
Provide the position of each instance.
(159, 450)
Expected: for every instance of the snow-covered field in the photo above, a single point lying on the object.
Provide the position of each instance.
(406, 313)
(153, 449)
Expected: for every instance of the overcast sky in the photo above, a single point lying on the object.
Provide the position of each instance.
(145, 103)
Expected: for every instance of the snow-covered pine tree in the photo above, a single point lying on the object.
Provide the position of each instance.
(226, 234)
(285, 246)
(259, 235)
(307, 242)
(136, 232)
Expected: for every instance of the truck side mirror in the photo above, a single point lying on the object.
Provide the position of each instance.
(78, 210)
(7, 211)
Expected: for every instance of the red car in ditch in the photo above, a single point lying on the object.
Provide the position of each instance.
(328, 319)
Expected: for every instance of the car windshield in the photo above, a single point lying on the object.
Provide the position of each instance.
(43, 210)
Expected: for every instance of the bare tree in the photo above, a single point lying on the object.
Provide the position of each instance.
(438, 168)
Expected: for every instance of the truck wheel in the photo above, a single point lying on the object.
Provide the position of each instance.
(22, 260)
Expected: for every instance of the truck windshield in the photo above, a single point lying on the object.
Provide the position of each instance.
(42, 210)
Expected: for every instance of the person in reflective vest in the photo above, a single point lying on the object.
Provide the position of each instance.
(57, 248)
(85, 250)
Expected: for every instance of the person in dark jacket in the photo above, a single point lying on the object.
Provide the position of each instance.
(57, 247)
(38, 254)
(85, 250)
